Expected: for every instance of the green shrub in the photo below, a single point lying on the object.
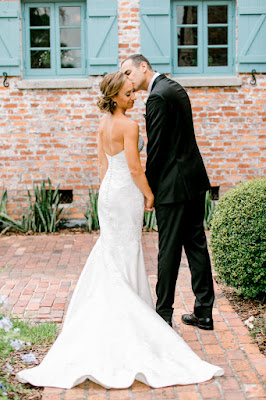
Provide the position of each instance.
(238, 238)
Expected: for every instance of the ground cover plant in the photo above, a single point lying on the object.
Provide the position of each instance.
(22, 345)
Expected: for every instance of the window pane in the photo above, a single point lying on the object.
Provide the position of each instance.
(40, 59)
(217, 57)
(187, 58)
(70, 37)
(217, 35)
(187, 15)
(40, 16)
(217, 14)
(70, 59)
(187, 36)
(40, 37)
(69, 16)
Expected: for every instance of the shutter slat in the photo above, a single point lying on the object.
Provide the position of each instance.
(9, 14)
(8, 62)
(9, 38)
(104, 61)
(251, 10)
(250, 59)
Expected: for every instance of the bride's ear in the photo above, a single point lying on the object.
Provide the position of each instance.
(114, 100)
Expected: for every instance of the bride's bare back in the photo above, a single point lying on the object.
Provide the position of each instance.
(111, 133)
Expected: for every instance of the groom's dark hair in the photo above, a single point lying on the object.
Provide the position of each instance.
(137, 59)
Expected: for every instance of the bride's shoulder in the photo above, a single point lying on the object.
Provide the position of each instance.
(130, 124)
(103, 119)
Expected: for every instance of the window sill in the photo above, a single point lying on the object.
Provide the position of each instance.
(55, 84)
(209, 81)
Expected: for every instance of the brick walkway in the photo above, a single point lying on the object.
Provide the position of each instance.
(39, 274)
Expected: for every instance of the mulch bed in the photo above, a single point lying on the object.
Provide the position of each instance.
(247, 307)
(65, 231)
(16, 362)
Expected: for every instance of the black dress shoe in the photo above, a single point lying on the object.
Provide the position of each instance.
(202, 323)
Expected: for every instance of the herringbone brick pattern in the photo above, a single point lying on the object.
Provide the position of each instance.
(40, 275)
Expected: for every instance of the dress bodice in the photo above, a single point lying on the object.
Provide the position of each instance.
(118, 168)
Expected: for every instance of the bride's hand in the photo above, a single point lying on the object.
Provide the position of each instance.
(148, 203)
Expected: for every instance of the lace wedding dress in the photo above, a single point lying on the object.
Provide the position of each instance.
(111, 334)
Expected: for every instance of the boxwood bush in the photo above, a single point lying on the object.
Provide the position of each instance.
(238, 238)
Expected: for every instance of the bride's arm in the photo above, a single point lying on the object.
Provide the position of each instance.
(132, 154)
(102, 159)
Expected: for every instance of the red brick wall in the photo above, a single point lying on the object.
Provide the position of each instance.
(230, 125)
(53, 133)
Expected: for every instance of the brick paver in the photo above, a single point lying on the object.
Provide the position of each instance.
(39, 274)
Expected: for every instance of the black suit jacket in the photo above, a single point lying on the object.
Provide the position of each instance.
(174, 169)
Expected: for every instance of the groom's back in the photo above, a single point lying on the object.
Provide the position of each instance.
(182, 172)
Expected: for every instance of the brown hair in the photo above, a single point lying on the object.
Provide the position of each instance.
(137, 59)
(110, 86)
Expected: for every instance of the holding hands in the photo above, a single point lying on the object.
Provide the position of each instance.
(149, 203)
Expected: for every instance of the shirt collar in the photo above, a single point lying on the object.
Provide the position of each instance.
(152, 80)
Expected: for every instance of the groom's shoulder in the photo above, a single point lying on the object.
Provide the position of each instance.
(166, 85)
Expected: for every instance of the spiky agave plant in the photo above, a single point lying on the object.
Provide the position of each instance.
(150, 222)
(91, 214)
(43, 213)
(46, 213)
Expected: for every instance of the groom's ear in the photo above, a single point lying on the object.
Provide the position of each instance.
(144, 66)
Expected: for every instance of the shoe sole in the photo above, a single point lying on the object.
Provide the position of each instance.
(204, 327)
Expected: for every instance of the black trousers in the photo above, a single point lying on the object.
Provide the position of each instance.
(181, 224)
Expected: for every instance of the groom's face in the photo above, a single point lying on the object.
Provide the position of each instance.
(135, 74)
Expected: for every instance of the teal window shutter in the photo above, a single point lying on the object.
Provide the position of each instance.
(102, 36)
(9, 38)
(252, 36)
(155, 28)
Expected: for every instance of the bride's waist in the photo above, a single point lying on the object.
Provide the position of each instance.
(123, 173)
(118, 179)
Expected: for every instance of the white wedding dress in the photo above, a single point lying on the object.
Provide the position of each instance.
(111, 334)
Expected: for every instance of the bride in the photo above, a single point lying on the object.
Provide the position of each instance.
(111, 334)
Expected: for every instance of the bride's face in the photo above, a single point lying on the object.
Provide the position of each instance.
(126, 97)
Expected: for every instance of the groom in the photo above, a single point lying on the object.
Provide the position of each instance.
(178, 179)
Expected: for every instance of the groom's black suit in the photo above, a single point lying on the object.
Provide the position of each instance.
(178, 179)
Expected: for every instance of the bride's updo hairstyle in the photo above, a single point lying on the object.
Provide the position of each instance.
(110, 86)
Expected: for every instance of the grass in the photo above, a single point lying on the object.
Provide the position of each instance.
(44, 332)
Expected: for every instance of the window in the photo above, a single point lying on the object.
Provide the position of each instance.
(60, 39)
(197, 37)
(54, 39)
(203, 37)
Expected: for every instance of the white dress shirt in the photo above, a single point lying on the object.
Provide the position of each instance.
(152, 80)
